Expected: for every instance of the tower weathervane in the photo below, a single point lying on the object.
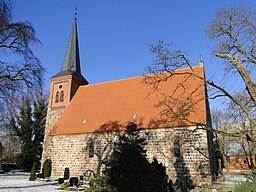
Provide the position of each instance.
(75, 12)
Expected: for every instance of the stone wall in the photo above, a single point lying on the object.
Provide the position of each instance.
(194, 162)
(52, 118)
(72, 152)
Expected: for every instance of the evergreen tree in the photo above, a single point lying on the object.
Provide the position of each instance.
(129, 169)
(159, 182)
(32, 176)
(47, 168)
(29, 127)
(39, 116)
(24, 131)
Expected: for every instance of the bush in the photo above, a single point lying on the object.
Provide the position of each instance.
(32, 176)
(129, 169)
(47, 168)
(100, 184)
(246, 186)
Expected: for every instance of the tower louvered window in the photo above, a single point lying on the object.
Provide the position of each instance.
(57, 99)
(61, 96)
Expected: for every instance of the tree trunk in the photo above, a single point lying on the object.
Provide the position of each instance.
(225, 161)
(244, 73)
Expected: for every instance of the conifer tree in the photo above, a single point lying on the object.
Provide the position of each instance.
(39, 116)
(29, 127)
(129, 169)
(47, 168)
(24, 131)
(32, 176)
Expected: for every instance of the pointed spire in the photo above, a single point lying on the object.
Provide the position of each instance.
(72, 60)
(71, 64)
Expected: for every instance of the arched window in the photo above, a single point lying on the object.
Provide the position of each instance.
(176, 148)
(61, 96)
(57, 99)
(91, 149)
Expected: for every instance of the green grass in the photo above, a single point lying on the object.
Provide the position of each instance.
(248, 186)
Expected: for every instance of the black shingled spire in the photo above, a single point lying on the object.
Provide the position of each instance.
(71, 64)
(72, 60)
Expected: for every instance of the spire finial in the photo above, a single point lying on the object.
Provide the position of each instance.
(75, 12)
(200, 62)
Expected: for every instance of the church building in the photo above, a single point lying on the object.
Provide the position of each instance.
(84, 120)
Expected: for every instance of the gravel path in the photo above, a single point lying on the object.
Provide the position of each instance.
(18, 181)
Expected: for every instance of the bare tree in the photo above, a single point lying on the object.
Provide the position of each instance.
(241, 124)
(232, 120)
(20, 69)
(220, 122)
(233, 31)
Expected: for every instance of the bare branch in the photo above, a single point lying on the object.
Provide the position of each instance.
(20, 70)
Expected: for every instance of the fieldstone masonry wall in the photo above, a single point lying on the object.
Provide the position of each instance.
(194, 163)
(72, 152)
(69, 152)
(52, 118)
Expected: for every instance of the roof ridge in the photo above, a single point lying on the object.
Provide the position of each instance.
(115, 80)
(135, 77)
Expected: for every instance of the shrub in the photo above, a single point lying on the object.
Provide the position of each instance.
(100, 184)
(47, 168)
(32, 176)
(129, 169)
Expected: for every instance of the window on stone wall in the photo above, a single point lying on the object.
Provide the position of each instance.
(57, 99)
(61, 96)
(176, 147)
(91, 149)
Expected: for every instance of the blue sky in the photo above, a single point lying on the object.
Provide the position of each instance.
(114, 34)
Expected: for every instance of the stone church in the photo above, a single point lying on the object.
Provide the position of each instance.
(84, 121)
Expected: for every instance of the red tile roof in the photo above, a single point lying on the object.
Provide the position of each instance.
(112, 105)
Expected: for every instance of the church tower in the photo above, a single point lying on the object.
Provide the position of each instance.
(63, 87)
(65, 83)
